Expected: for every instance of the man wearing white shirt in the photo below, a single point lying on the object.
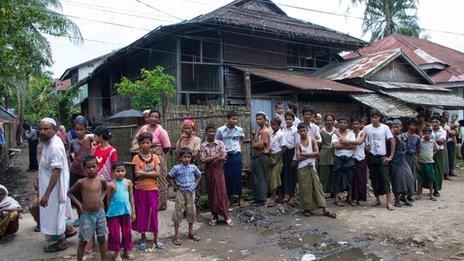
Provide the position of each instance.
(289, 172)
(377, 135)
(343, 167)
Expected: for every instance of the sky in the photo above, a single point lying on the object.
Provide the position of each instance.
(97, 21)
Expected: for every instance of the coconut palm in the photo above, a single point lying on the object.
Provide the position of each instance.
(386, 17)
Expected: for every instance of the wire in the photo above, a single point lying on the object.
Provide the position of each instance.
(161, 11)
(104, 9)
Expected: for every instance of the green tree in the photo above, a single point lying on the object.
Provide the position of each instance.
(43, 100)
(386, 17)
(153, 87)
(24, 50)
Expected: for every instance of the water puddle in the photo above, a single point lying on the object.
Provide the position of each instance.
(302, 242)
(276, 231)
(352, 254)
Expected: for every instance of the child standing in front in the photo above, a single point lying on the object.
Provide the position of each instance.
(93, 218)
(426, 175)
(120, 213)
(105, 153)
(147, 171)
(311, 194)
(184, 177)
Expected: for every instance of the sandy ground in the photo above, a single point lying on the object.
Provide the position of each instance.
(427, 231)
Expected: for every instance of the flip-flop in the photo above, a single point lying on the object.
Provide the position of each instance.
(229, 222)
(307, 213)
(129, 256)
(292, 203)
(433, 199)
(158, 245)
(212, 222)
(329, 213)
(390, 207)
(376, 204)
(270, 204)
(54, 248)
(69, 235)
(177, 241)
(193, 237)
(142, 246)
(241, 204)
(117, 258)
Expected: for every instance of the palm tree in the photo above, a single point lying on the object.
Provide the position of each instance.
(24, 50)
(386, 17)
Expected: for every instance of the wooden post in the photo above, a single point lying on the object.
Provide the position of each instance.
(179, 71)
(221, 73)
(247, 83)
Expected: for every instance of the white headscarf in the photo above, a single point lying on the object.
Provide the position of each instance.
(49, 120)
(8, 202)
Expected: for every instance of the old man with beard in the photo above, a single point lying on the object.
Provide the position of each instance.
(55, 206)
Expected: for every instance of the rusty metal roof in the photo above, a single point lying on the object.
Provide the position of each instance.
(302, 81)
(387, 106)
(443, 100)
(407, 86)
(364, 66)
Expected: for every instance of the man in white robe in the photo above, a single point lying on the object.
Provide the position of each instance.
(55, 206)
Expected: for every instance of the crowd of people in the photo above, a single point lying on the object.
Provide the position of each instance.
(302, 163)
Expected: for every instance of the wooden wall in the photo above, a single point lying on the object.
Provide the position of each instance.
(398, 71)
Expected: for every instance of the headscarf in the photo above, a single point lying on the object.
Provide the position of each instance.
(49, 120)
(8, 202)
(189, 122)
(80, 120)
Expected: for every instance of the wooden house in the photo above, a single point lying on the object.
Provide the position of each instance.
(392, 75)
(239, 54)
(444, 65)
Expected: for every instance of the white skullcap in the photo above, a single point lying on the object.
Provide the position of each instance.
(49, 120)
(146, 112)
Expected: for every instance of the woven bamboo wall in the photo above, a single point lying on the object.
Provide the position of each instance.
(171, 121)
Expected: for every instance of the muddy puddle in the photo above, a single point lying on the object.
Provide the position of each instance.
(299, 237)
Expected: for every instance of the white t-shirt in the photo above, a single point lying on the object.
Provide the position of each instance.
(307, 161)
(290, 135)
(377, 138)
(438, 135)
(358, 152)
(277, 142)
(344, 152)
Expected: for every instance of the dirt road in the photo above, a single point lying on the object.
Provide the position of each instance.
(427, 231)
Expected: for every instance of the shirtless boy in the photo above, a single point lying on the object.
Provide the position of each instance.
(93, 218)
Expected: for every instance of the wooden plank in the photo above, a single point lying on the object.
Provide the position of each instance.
(247, 83)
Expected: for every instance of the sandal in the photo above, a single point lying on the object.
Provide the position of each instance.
(54, 248)
(241, 204)
(390, 207)
(119, 258)
(433, 199)
(70, 234)
(177, 241)
(270, 203)
(376, 204)
(229, 222)
(330, 214)
(292, 203)
(307, 213)
(193, 237)
(212, 222)
(340, 204)
(128, 256)
(158, 245)
(142, 246)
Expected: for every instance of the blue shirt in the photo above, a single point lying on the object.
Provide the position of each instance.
(185, 175)
(412, 143)
(231, 138)
(120, 204)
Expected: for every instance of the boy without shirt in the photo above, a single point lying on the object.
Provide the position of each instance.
(93, 218)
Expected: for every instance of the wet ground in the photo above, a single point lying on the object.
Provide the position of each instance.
(427, 231)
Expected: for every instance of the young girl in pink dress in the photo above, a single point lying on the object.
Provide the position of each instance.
(105, 153)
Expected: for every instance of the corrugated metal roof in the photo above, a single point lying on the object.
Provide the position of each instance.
(357, 67)
(421, 52)
(386, 105)
(435, 99)
(407, 85)
(301, 80)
